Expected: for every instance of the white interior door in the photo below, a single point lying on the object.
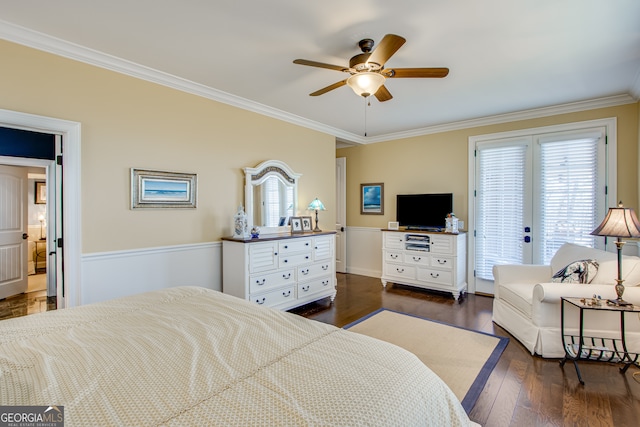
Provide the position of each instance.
(341, 215)
(13, 231)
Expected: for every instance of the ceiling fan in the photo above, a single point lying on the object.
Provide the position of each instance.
(367, 69)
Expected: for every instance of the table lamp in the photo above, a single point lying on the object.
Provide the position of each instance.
(41, 219)
(620, 222)
(316, 205)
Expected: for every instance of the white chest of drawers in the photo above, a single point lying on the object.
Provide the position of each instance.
(426, 260)
(280, 271)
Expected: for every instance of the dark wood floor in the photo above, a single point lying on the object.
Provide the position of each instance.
(523, 390)
(27, 303)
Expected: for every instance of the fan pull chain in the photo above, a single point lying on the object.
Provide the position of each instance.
(365, 117)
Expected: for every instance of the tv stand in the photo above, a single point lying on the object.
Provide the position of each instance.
(428, 260)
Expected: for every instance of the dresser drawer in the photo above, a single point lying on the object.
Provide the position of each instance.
(261, 282)
(400, 271)
(290, 246)
(312, 286)
(393, 256)
(313, 270)
(275, 297)
(417, 259)
(443, 262)
(435, 276)
(295, 259)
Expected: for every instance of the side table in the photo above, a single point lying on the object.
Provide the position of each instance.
(581, 347)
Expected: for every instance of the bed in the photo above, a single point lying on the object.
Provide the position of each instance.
(192, 356)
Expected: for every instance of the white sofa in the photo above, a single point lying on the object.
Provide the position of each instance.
(528, 306)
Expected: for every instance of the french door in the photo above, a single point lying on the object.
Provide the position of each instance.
(534, 192)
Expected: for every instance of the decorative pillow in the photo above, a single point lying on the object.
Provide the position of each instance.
(582, 271)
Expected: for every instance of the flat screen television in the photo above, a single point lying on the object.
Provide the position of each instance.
(423, 211)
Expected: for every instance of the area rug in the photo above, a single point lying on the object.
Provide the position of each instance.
(463, 358)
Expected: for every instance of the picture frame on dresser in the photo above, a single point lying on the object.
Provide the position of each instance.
(296, 225)
(306, 224)
(372, 199)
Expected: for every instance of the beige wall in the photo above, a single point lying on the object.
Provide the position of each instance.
(439, 163)
(128, 122)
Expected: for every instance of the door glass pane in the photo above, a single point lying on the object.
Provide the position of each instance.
(568, 205)
(499, 207)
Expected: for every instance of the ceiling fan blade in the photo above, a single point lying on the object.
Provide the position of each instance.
(386, 48)
(383, 94)
(329, 88)
(416, 72)
(320, 65)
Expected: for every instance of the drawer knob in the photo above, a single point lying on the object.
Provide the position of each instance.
(260, 282)
(435, 276)
(417, 258)
(442, 261)
(325, 267)
(305, 288)
(325, 282)
(275, 253)
(286, 276)
(400, 270)
(286, 246)
(307, 257)
(261, 301)
(286, 294)
(305, 271)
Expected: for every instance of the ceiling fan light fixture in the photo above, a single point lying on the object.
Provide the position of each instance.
(365, 83)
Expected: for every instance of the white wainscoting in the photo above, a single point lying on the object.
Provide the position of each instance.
(109, 275)
(364, 251)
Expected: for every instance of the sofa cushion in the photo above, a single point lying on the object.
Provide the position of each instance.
(519, 296)
(582, 271)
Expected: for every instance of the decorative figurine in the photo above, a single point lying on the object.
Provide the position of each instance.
(451, 224)
(255, 232)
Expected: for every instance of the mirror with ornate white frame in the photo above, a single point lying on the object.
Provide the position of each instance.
(270, 196)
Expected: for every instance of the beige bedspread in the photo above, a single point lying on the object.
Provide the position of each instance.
(192, 356)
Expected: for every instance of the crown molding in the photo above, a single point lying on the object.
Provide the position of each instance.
(56, 46)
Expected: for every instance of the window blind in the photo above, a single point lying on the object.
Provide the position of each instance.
(568, 196)
(499, 207)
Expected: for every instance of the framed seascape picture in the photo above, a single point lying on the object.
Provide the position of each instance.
(372, 199)
(306, 223)
(41, 193)
(296, 225)
(158, 189)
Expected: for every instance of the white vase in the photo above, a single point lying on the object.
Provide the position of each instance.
(240, 225)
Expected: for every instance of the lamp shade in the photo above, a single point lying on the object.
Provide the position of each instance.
(365, 83)
(620, 222)
(316, 204)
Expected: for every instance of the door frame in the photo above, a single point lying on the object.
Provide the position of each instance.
(341, 214)
(610, 124)
(71, 209)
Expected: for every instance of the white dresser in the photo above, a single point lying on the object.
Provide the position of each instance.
(280, 271)
(425, 259)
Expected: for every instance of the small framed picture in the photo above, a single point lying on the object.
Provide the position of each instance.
(372, 199)
(306, 223)
(296, 225)
(41, 193)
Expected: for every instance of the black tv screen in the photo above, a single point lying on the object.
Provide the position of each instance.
(423, 211)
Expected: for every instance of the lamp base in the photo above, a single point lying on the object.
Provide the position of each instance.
(618, 302)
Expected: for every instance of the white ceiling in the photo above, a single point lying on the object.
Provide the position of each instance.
(505, 56)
